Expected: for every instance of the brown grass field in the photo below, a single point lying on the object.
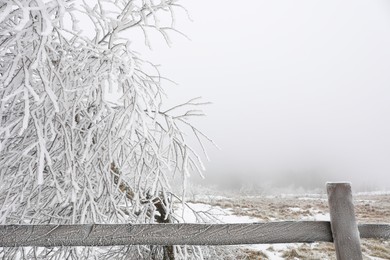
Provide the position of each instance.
(369, 208)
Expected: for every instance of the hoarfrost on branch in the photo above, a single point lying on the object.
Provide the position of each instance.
(69, 153)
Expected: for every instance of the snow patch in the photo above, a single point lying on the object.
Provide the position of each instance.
(201, 212)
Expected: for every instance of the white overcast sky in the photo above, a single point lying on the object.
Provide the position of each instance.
(301, 89)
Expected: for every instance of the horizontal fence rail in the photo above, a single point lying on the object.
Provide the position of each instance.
(342, 230)
(177, 234)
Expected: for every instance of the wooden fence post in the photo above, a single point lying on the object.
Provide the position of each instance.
(343, 222)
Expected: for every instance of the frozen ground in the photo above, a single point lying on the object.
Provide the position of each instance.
(369, 207)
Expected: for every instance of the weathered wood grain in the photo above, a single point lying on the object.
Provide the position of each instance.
(164, 234)
(376, 231)
(177, 234)
(345, 231)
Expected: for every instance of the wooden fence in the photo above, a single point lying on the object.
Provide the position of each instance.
(342, 230)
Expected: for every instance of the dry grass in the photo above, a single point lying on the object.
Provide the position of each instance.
(368, 209)
(376, 248)
(292, 254)
(251, 254)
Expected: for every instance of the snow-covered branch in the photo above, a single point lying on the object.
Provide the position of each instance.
(71, 151)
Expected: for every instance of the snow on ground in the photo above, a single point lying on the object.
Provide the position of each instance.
(371, 193)
(201, 211)
(217, 214)
(370, 207)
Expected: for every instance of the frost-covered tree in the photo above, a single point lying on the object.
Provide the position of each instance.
(69, 152)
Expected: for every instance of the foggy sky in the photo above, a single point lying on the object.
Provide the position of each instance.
(301, 89)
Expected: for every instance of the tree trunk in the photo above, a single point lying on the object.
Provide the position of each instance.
(169, 251)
